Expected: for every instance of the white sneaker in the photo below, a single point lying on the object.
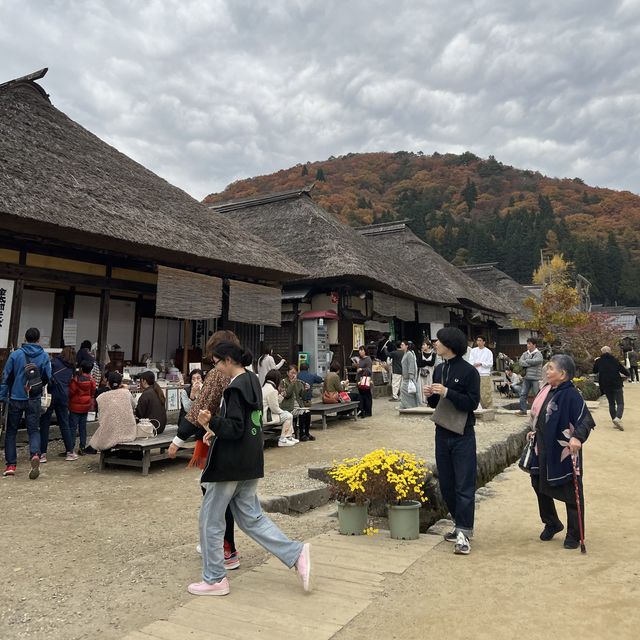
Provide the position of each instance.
(462, 544)
(284, 442)
(292, 439)
(618, 423)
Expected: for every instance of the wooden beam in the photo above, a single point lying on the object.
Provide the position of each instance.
(137, 325)
(185, 350)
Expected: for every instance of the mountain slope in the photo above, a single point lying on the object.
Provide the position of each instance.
(474, 210)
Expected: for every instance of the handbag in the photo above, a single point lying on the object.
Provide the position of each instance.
(447, 416)
(526, 458)
(330, 397)
(45, 399)
(344, 396)
(365, 383)
(145, 428)
(411, 387)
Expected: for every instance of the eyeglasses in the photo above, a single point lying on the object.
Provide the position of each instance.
(215, 361)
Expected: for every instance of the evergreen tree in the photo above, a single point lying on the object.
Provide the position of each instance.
(305, 171)
(470, 194)
(320, 175)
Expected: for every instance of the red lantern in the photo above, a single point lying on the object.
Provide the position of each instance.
(335, 297)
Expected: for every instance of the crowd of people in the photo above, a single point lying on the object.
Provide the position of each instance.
(227, 409)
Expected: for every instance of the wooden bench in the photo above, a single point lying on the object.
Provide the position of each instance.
(323, 410)
(145, 446)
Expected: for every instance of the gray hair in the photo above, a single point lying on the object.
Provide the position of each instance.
(565, 363)
(605, 350)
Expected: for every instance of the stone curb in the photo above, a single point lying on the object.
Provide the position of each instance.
(491, 461)
(298, 502)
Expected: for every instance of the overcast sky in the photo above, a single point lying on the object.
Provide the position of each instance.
(207, 92)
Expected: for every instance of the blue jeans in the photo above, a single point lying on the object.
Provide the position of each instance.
(62, 416)
(31, 410)
(534, 385)
(78, 422)
(456, 462)
(241, 497)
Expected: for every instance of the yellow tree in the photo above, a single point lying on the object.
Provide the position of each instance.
(557, 309)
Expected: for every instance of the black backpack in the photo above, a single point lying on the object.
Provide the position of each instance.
(32, 378)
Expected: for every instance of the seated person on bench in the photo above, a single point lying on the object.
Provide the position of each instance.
(333, 386)
(308, 378)
(512, 383)
(116, 422)
(293, 401)
(272, 414)
(152, 401)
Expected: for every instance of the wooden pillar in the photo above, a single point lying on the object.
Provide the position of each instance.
(137, 327)
(103, 325)
(293, 338)
(185, 350)
(16, 311)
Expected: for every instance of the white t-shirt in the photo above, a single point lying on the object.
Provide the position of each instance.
(484, 357)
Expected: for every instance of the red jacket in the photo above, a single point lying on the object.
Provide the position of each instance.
(81, 393)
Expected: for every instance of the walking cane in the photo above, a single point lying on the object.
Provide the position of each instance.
(583, 549)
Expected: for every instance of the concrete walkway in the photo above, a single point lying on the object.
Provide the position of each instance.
(377, 587)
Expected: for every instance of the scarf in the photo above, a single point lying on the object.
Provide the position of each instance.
(565, 412)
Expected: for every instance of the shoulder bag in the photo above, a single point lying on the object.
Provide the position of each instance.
(447, 416)
(145, 428)
(526, 457)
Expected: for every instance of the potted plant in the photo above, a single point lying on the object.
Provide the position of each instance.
(347, 486)
(391, 477)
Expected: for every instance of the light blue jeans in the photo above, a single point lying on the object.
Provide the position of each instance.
(243, 500)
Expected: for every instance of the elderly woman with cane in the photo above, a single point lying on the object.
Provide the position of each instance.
(560, 424)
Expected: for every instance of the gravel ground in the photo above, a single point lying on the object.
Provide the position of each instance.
(88, 554)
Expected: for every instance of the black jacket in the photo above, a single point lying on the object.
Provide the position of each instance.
(150, 406)
(463, 383)
(609, 369)
(396, 361)
(237, 450)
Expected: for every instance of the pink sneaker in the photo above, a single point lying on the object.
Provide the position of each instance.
(35, 468)
(71, 455)
(303, 566)
(205, 589)
(43, 458)
(10, 471)
(231, 561)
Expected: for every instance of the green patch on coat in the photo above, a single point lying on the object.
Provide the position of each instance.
(256, 417)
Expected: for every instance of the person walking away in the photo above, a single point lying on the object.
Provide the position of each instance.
(395, 355)
(151, 403)
(457, 381)
(531, 362)
(409, 396)
(310, 379)
(611, 374)
(481, 358)
(62, 367)
(426, 361)
(230, 478)
(364, 382)
(293, 402)
(633, 365)
(82, 391)
(25, 373)
(560, 424)
(266, 363)
(273, 413)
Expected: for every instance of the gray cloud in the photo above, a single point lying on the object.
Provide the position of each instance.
(206, 92)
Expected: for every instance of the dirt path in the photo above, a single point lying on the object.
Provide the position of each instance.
(514, 585)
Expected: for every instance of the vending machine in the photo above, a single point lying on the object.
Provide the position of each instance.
(315, 342)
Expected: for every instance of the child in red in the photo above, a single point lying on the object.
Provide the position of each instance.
(82, 391)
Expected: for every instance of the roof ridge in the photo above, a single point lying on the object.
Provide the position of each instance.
(29, 79)
(253, 201)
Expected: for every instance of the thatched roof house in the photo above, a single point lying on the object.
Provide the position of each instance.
(60, 181)
(504, 286)
(428, 271)
(331, 251)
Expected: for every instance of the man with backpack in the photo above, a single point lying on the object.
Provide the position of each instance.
(25, 374)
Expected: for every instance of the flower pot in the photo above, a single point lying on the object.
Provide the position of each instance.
(404, 520)
(353, 518)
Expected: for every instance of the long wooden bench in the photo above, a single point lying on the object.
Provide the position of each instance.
(323, 410)
(152, 450)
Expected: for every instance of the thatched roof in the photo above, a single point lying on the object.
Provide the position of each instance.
(428, 270)
(64, 183)
(330, 250)
(503, 285)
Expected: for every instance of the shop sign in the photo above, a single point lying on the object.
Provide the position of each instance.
(70, 332)
(6, 300)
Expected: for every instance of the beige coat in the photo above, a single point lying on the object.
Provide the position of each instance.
(117, 423)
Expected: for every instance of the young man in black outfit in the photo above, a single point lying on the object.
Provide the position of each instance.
(459, 382)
